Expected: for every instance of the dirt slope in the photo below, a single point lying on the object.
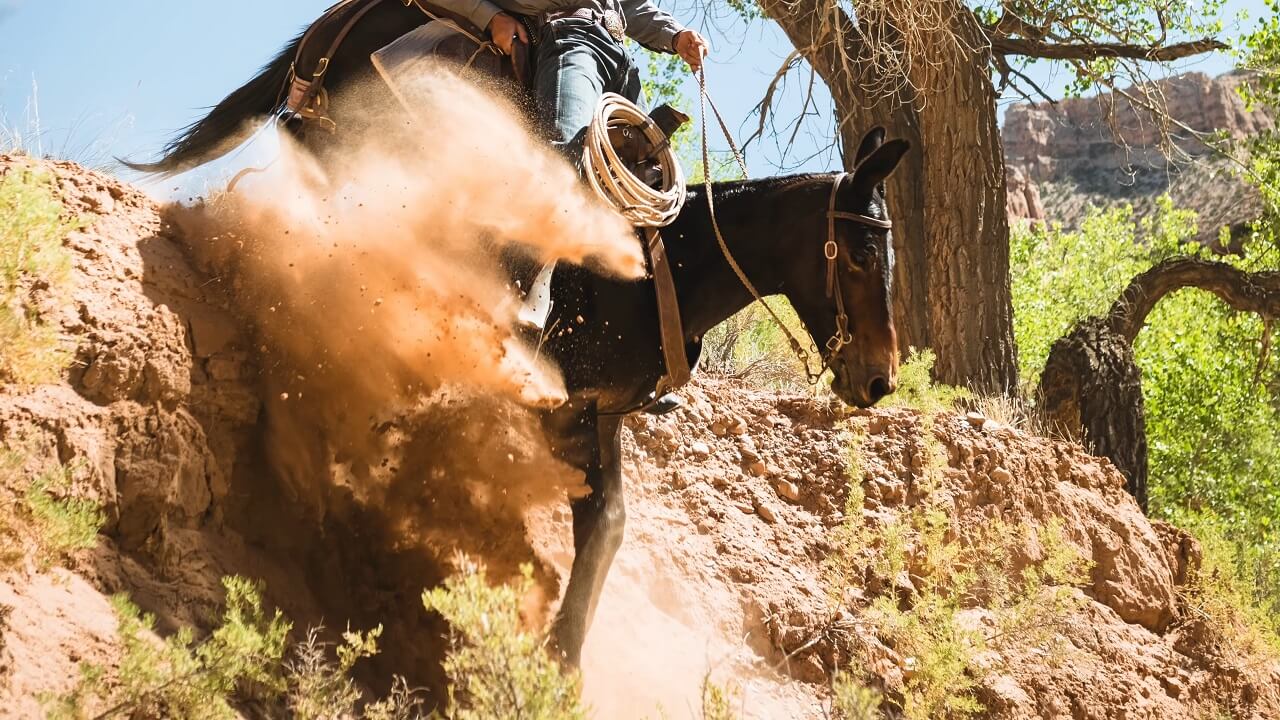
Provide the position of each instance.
(735, 504)
(734, 546)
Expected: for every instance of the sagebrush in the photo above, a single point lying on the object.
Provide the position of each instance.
(33, 224)
(933, 575)
(496, 668)
(41, 512)
(245, 658)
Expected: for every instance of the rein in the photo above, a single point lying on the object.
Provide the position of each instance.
(830, 250)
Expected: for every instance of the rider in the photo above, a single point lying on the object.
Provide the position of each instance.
(578, 52)
(578, 56)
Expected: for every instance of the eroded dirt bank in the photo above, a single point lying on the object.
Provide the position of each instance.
(736, 506)
(740, 501)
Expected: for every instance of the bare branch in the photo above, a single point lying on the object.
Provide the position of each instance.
(765, 106)
(804, 110)
(1257, 292)
(1094, 51)
(1011, 25)
(1007, 75)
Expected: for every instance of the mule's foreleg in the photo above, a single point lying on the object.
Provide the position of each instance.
(598, 522)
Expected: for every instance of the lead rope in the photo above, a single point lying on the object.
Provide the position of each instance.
(704, 100)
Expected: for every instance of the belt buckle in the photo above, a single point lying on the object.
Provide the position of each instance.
(612, 22)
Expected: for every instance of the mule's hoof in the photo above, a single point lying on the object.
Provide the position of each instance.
(665, 404)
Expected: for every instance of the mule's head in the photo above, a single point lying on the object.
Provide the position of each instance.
(847, 306)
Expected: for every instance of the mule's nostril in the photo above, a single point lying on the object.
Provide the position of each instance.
(878, 389)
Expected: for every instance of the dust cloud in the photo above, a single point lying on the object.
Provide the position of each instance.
(381, 277)
(400, 400)
(386, 264)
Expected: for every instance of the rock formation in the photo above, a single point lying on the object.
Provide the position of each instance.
(1102, 151)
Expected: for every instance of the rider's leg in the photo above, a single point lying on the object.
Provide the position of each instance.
(577, 62)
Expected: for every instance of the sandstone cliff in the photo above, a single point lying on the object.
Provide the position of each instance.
(1102, 151)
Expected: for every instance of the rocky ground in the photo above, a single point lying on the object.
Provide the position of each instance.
(750, 511)
(737, 505)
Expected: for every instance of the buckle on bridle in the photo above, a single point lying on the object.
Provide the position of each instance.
(831, 251)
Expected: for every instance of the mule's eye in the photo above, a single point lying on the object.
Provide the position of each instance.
(863, 256)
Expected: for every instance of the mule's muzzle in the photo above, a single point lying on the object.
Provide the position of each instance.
(879, 387)
(865, 393)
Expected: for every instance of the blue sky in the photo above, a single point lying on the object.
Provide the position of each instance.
(116, 78)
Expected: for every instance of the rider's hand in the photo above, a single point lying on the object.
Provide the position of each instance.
(692, 47)
(504, 30)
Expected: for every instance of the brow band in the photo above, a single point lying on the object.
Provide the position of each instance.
(861, 219)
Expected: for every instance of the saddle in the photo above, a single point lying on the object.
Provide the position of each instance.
(448, 37)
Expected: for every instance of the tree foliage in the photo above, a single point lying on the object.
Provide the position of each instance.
(1211, 391)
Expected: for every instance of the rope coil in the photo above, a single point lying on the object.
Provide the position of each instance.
(614, 183)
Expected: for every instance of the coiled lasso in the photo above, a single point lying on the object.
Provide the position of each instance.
(614, 183)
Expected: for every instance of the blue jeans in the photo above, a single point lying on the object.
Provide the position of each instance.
(577, 61)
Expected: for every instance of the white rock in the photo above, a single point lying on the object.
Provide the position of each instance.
(788, 490)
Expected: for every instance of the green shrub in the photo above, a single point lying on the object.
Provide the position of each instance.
(496, 669)
(178, 676)
(717, 703)
(850, 700)
(62, 523)
(40, 513)
(320, 689)
(243, 658)
(916, 388)
(33, 223)
(930, 577)
(1234, 589)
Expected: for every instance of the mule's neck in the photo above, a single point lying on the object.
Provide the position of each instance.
(761, 222)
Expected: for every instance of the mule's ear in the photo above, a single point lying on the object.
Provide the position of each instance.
(872, 140)
(881, 163)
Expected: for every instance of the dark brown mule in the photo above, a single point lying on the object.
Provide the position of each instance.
(780, 231)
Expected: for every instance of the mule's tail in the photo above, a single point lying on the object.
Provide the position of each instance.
(220, 132)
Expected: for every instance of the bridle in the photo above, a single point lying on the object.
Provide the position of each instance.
(830, 250)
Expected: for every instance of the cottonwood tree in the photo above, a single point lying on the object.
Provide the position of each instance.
(1091, 387)
(931, 71)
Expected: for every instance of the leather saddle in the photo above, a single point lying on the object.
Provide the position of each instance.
(435, 33)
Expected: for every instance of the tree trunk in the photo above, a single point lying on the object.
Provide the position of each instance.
(947, 199)
(1091, 388)
(1091, 392)
(967, 226)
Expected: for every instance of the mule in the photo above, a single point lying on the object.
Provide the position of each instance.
(821, 240)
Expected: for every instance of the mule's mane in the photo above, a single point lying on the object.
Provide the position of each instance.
(782, 182)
